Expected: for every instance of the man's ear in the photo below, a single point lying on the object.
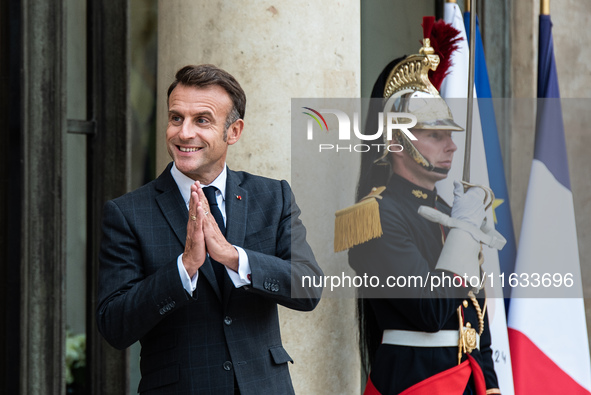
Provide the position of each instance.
(396, 156)
(234, 132)
(398, 153)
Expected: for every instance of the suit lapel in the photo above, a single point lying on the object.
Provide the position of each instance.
(174, 209)
(172, 205)
(236, 213)
(236, 203)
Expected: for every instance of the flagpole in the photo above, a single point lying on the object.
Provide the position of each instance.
(468, 146)
(545, 7)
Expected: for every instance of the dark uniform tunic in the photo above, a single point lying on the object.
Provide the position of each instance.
(410, 246)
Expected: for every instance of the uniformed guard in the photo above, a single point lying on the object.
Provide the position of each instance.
(422, 329)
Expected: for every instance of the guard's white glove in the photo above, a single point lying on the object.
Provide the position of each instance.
(460, 251)
(468, 206)
(462, 245)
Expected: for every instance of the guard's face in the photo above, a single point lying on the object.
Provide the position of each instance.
(438, 148)
(195, 133)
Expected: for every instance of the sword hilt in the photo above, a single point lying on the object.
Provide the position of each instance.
(489, 195)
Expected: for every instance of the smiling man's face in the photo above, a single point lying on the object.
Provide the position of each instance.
(195, 136)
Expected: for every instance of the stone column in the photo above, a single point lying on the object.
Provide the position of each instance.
(39, 288)
(278, 50)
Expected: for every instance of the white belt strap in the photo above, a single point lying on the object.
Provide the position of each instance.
(443, 338)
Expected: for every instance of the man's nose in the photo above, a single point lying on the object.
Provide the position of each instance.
(188, 130)
(451, 146)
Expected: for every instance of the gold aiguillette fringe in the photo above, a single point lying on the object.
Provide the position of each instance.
(358, 223)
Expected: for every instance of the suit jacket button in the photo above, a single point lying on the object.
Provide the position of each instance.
(227, 320)
(227, 365)
(162, 312)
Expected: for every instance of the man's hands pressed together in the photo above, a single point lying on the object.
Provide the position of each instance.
(195, 250)
(204, 236)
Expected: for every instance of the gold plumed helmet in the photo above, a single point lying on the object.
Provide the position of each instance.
(408, 89)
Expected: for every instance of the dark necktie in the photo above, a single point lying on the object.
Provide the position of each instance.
(214, 210)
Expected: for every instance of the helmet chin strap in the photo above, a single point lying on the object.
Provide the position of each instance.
(440, 170)
(418, 157)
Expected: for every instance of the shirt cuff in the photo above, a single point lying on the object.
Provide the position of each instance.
(190, 284)
(243, 276)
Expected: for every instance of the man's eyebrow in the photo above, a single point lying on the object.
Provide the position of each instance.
(198, 114)
(204, 113)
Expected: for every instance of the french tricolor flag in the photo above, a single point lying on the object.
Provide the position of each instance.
(548, 337)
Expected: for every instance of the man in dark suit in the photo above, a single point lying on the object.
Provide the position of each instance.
(194, 263)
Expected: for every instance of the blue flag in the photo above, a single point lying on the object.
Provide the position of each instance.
(494, 159)
(550, 145)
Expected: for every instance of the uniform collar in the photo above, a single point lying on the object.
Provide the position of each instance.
(411, 191)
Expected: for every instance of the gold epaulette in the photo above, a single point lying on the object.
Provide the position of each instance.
(358, 223)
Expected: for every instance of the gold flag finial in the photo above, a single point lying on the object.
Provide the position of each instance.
(545, 7)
